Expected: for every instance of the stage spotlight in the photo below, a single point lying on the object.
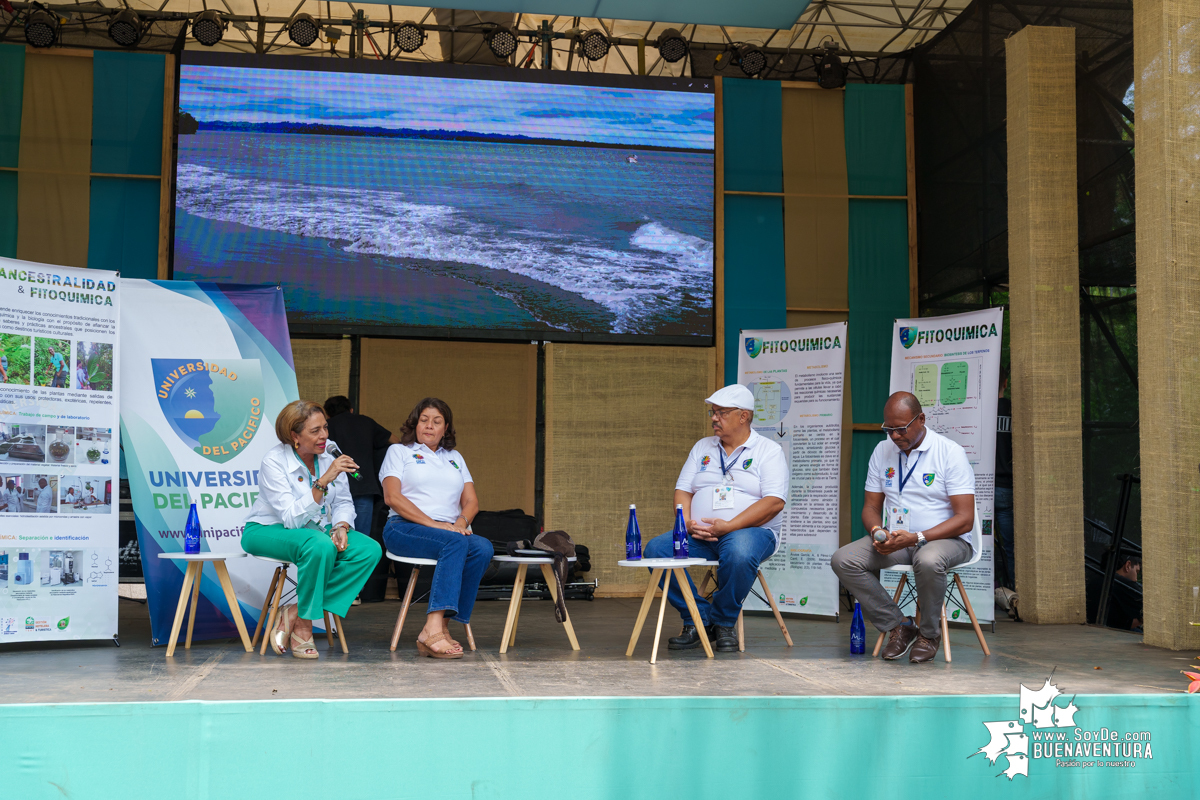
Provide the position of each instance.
(410, 37)
(208, 27)
(751, 59)
(41, 28)
(831, 73)
(302, 29)
(671, 45)
(502, 41)
(125, 28)
(593, 45)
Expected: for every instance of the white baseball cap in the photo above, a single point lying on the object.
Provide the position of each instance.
(732, 396)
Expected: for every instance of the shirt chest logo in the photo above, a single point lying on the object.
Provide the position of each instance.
(928, 478)
(704, 462)
(417, 457)
(889, 473)
(454, 463)
(746, 464)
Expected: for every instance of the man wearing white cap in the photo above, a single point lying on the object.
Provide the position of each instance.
(732, 488)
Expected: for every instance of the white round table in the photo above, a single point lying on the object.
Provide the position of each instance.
(662, 569)
(191, 583)
(514, 604)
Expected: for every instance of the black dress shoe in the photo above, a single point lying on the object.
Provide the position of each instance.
(688, 639)
(724, 640)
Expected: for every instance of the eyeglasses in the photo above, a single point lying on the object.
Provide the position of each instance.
(721, 412)
(890, 431)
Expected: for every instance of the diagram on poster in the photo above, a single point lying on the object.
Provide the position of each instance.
(796, 377)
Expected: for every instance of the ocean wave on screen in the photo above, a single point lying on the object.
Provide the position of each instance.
(663, 266)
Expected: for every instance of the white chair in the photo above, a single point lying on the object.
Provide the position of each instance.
(713, 567)
(274, 601)
(906, 570)
(416, 564)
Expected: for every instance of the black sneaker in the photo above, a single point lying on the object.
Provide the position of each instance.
(724, 640)
(688, 638)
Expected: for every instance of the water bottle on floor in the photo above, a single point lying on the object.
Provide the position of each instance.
(191, 533)
(679, 537)
(633, 536)
(858, 632)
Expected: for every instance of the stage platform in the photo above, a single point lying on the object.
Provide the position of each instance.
(1083, 659)
(97, 721)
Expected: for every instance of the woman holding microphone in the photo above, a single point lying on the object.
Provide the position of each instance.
(304, 514)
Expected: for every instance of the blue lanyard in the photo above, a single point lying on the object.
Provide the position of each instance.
(904, 478)
(732, 463)
(312, 480)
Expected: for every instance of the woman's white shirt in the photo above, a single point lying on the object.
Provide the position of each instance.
(432, 481)
(285, 494)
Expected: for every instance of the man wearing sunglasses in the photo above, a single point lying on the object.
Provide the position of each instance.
(733, 487)
(919, 509)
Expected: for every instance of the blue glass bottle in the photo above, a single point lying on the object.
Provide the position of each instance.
(679, 536)
(633, 536)
(191, 533)
(858, 632)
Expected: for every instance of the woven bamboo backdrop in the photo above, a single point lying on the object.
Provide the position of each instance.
(322, 368)
(1166, 49)
(492, 390)
(619, 423)
(1044, 293)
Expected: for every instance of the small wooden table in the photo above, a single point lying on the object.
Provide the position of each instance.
(514, 605)
(191, 584)
(663, 568)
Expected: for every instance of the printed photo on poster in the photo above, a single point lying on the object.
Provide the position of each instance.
(15, 358)
(52, 362)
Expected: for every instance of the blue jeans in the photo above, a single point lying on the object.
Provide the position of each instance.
(740, 552)
(461, 563)
(364, 513)
(1004, 533)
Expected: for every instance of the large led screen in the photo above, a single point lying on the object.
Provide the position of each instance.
(451, 204)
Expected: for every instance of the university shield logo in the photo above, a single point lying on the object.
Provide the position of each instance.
(215, 407)
(928, 478)
(746, 464)
(908, 337)
(454, 463)
(753, 346)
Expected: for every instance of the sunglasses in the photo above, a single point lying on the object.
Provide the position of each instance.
(890, 431)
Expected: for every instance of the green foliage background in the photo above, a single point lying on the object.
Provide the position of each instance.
(97, 357)
(43, 370)
(16, 347)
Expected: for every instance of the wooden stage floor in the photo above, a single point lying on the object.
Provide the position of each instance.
(1083, 659)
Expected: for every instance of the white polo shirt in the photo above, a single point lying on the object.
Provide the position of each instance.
(758, 469)
(433, 482)
(939, 469)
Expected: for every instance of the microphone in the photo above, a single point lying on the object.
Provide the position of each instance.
(333, 451)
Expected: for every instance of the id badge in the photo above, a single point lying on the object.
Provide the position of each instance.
(898, 519)
(722, 497)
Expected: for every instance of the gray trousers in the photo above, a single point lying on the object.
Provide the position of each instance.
(858, 565)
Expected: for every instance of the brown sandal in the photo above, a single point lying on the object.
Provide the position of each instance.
(424, 649)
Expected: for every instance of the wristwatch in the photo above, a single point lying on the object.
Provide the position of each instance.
(920, 538)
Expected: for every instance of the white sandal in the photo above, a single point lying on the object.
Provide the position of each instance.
(279, 637)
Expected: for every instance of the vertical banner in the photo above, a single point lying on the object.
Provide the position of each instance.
(58, 455)
(797, 376)
(208, 369)
(952, 365)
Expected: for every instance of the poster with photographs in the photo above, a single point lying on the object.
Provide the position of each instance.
(59, 464)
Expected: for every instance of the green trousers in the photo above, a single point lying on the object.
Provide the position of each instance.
(326, 580)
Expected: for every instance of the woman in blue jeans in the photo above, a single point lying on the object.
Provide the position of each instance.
(432, 499)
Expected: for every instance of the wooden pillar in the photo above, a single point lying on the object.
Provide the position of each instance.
(1043, 252)
(1165, 52)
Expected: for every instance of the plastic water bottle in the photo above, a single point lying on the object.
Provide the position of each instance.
(633, 536)
(858, 632)
(679, 537)
(191, 533)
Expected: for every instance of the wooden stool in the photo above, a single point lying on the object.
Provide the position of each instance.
(514, 604)
(191, 585)
(416, 563)
(662, 568)
(273, 601)
(905, 570)
(712, 575)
